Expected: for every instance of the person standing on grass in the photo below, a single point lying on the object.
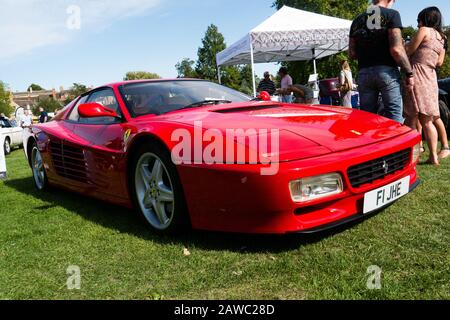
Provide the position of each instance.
(286, 82)
(427, 52)
(376, 42)
(43, 118)
(346, 84)
(26, 120)
(267, 84)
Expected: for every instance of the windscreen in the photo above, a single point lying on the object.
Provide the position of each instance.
(168, 96)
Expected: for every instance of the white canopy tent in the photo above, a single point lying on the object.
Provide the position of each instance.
(289, 35)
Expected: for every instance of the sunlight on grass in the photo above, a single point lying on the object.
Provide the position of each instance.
(42, 234)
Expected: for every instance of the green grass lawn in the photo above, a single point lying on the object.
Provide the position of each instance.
(42, 234)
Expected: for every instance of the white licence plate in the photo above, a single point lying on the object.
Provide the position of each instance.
(383, 196)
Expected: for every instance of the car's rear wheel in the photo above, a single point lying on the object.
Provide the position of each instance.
(7, 146)
(445, 114)
(157, 191)
(37, 166)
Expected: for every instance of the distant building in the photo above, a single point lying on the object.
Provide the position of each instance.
(28, 99)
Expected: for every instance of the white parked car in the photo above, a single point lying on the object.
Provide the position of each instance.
(12, 134)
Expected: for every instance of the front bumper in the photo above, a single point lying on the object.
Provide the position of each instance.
(353, 219)
(238, 199)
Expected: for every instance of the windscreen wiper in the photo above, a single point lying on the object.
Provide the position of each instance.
(205, 103)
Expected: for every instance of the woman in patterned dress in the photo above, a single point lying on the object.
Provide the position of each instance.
(426, 51)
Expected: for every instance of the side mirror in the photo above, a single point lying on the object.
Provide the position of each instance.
(264, 96)
(95, 110)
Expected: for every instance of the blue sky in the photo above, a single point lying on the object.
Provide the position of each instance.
(120, 36)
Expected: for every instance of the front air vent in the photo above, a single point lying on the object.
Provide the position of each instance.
(69, 162)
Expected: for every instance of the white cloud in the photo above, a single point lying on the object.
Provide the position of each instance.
(29, 24)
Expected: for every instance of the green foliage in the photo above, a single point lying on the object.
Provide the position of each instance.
(212, 43)
(185, 68)
(140, 75)
(35, 87)
(340, 9)
(76, 91)
(5, 103)
(328, 67)
(409, 32)
(231, 77)
(444, 71)
(246, 80)
(236, 77)
(49, 105)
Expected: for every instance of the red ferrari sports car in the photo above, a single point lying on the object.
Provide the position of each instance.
(326, 165)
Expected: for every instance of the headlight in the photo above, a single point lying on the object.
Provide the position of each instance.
(316, 187)
(416, 153)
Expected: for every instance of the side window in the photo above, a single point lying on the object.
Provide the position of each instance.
(107, 99)
(74, 116)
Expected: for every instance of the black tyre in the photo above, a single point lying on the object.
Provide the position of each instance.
(156, 190)
(445, 114)
(38, 169)
(7, 146)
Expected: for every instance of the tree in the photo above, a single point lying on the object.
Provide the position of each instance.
(246, 79)
(340, 9)
(409, 32)
(76, 91)
(185, 68)
(212, 44)
(327, 67)
(140, 75)
(5, 102)
(444, 71)
(49, 104)
(35, 87)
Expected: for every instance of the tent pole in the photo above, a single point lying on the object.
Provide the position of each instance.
(219, 76)
(314, 60)
(253, 68)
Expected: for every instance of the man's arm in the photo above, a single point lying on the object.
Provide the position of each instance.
(398, 51)
(352, 49)
(299, 91)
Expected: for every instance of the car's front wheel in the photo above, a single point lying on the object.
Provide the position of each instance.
(37, 166)
(157, 191)
(7, 146)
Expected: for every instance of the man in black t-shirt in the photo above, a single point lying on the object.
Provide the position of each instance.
(376, 42)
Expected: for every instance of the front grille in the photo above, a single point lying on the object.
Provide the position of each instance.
(378, 169)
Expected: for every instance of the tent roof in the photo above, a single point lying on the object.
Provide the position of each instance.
(289, 35)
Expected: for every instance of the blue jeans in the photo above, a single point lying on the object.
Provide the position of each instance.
(287, 99)
(381, 81)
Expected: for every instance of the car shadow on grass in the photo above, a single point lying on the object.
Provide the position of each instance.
(127, 221)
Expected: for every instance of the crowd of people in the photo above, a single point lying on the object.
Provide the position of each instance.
(396, 79)
(26, 120)
(288, 91)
